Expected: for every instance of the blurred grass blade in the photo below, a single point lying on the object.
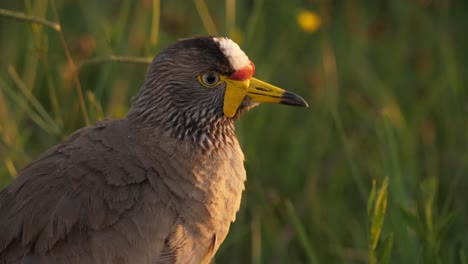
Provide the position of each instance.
(11, 167)
(387, 250)
(398, 187)
(28, 19)
(154, 35)
(230, 14)
(33, 101)
(54, 101)
(370, 202)
(71, 64)
(349, 154)
(460, 253)
(206, 18)
(253, 20)
(23, 105)
(96, 113)
(116, 58)
(377, 220)
(429, 190)
(446, 223)
(300, 230)
(380, 208)
(256, 240)
(412, 220)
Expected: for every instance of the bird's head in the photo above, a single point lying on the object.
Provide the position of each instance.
(201, 81)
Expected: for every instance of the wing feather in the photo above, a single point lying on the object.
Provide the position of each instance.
(87, 200)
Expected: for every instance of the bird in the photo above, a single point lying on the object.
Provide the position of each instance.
(161, 185)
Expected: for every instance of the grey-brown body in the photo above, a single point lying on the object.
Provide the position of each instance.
(114, 193)
(161, 186)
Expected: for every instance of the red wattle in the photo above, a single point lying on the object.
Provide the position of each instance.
(245, 73)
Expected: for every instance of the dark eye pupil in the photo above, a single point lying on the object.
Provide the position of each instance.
(211, 78)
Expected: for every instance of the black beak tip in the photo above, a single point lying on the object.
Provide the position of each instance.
(293, 99)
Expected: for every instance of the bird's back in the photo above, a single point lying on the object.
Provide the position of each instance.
(87, 199)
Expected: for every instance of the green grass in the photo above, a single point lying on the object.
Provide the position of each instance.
(374, 171)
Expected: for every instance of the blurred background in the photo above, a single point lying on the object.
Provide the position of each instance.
(374, 171)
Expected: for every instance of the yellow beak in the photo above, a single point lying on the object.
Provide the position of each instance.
(258, 91)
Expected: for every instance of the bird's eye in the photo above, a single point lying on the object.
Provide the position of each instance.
(210, 79)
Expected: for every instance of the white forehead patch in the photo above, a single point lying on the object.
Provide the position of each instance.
(233, 53)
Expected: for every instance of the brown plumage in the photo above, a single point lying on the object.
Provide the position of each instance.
(160, 186)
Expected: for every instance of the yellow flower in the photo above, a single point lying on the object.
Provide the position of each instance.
(308, 21)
